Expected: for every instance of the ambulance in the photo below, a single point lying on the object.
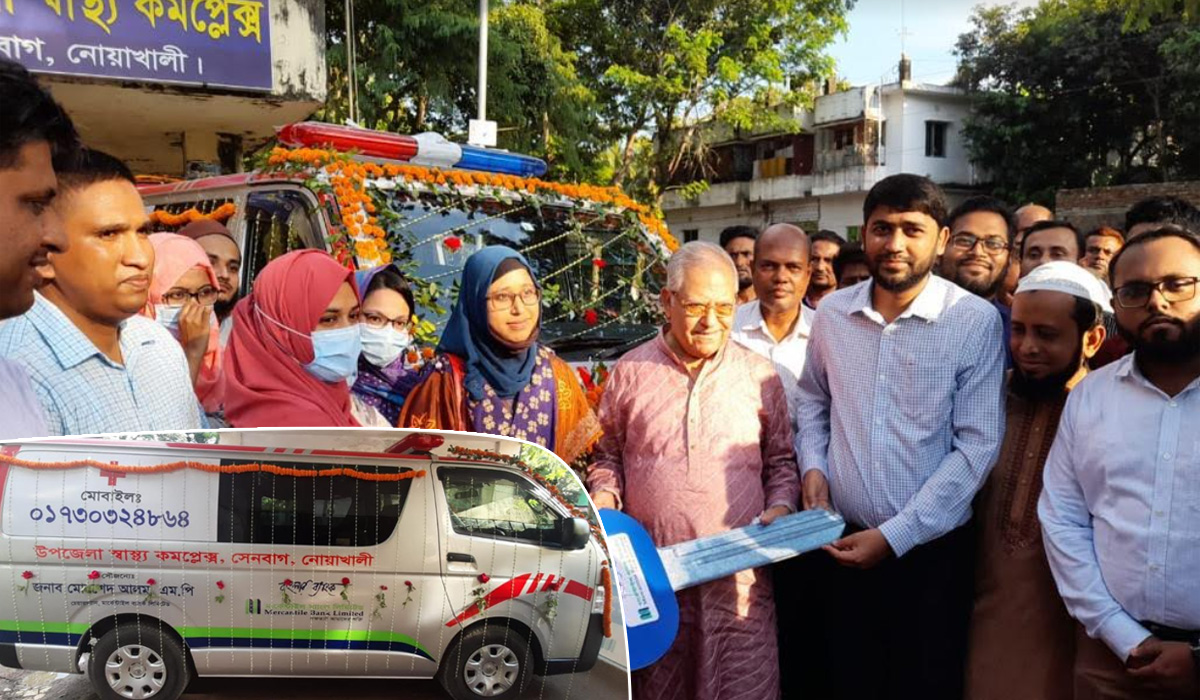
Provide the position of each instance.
(599, 256)
(144, 564)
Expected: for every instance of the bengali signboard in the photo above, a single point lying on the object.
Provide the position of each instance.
(224, 43)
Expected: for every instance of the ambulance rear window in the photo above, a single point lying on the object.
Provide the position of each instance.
(341, 511)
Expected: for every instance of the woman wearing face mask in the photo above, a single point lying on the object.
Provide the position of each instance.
(492, 376)
(293, 353)
(183, 290)
(384, 377)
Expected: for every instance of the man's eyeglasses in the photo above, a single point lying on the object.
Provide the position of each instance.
(503, 301)
(1173, 289)
(178, 297)
(378, 321)
(723, 310)
(966, 241)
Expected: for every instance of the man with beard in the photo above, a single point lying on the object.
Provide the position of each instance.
(1022, 639)
(900, 417)
(977, 259)
(226, 258)
(738, 242)
(36, 136)
(776, 325)
(1120, 507)
(825, 248)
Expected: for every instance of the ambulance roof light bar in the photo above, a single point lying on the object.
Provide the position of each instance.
(425, 149)
(417, 443)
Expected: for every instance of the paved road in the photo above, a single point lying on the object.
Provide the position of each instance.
(604, 682)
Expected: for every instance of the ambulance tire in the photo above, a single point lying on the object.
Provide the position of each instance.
(153, 661)
(488, 648)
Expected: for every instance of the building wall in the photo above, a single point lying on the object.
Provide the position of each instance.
(906, 152)
(1091, 207)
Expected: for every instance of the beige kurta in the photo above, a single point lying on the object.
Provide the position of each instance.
(1022, 642)
(692, 458)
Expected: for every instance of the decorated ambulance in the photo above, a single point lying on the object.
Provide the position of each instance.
(371, 197)
(143, 564)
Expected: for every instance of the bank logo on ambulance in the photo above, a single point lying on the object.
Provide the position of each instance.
(232, 560)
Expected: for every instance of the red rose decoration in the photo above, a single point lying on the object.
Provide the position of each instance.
(27, 575)
(600, 263)
(484, 578)
(345, 582)
(150, 582)
(220, 585)
(287, 582)
(93, 575)
(408, 584)
(453, 243)
(383, 588)
(586, 376)
(590, 317)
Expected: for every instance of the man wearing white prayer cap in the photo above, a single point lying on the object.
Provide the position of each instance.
(1022, 641)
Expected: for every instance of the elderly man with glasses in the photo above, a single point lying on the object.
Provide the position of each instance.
(697, 440)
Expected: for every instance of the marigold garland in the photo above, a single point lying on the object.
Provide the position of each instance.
(166, 218)
(212, 468)
(347, 179)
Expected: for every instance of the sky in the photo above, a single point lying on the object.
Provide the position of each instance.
(871, 49)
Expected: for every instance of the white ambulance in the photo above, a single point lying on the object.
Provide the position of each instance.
(143, 564)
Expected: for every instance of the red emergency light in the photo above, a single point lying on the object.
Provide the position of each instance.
(377, 144)
(417, 442)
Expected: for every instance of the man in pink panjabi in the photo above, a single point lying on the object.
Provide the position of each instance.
(697, 441)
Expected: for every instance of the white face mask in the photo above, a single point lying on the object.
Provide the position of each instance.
(168, 317)
(381, 346)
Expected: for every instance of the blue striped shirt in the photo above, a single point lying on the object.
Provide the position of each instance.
(905, 418)
(84, 392)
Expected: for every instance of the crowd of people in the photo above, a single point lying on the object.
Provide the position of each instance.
(1004, 410)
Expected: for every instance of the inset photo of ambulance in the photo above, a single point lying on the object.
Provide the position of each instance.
(148, 561)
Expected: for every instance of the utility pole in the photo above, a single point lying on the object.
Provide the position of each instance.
(482, 132)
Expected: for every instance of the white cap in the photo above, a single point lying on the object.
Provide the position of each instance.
(1068, 278)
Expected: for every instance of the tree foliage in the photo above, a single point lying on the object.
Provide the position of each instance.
(1071, 94)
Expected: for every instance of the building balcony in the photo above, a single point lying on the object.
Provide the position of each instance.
(853, 156)
(845, 180)
(777, 188)
(720, 195)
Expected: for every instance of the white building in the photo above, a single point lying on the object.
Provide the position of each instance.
(818, 179)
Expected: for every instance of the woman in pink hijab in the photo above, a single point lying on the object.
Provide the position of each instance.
(294, 350)
(182, 292)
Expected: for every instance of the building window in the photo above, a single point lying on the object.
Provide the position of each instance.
(843, 137)
(935, 139)
(691, 234)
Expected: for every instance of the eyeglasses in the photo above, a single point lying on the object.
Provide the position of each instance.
(503, 301)
(723, 310)
(967, 241)
(378, 321)
(178, 297)
(1172, 289)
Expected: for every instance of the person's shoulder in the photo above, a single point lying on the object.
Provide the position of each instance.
(840, 300)
(746, 314)
(1105, 378)
(15, 335)
(750, 361)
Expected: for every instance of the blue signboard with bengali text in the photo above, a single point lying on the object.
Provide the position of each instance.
(219, 43)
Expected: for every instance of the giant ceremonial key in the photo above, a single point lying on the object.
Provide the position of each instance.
(648, 577)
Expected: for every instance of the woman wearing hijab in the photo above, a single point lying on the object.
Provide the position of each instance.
(294, 349)
(492, 376)
(384, 377)
(183, 290)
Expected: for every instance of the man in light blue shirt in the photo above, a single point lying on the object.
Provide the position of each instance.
(35, 133)
(96, 366)
(1120, 505)
(900, 418)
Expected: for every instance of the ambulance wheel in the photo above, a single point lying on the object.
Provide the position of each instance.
(138, 661)
(487, 662)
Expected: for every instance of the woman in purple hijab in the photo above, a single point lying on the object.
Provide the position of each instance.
(384, 378)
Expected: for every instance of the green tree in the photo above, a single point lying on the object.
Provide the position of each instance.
(1068, 95)
(661, 67)
(416, 70)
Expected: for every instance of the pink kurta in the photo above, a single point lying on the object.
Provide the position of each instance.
(689, 458)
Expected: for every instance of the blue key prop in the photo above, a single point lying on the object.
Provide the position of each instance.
(647, 578)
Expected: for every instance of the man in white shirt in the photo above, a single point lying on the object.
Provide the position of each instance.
(35, 134)
(776, 324)
(1120, 505)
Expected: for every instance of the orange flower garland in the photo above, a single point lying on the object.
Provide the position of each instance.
(347, 179)
(166, 218)
(212, 468)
